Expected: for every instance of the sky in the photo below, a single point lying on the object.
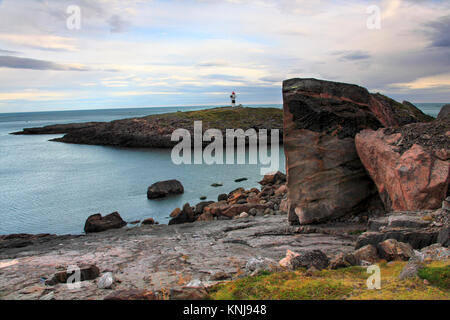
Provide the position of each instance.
(138, 53)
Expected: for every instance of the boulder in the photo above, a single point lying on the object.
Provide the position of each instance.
(222, 197)
(410, 270)
(445, 112)
(222, 208)
(97, 223)
(257, 264)
(199, 207)
(343, 260)
(106, 281)
(237, 209)
(402, 219)
(446, 204)
(415, 162)
(281, 190)
(435, 252)
(186, 215)
(306, 259)
(236, 195)
(205, 217)
(417, 238)
(165, 188)
(393, 250)
(244, 215)
(367, 253)
(443, 236)
(287, 261)
(87, 272)
(149, 221)
(273, 178)
(325, 178)
(216, 208)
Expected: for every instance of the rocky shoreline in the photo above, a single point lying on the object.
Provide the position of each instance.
(367, 181)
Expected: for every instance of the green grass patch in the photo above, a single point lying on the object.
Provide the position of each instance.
(347, 283)
(437, 276)
(226, 118)
(281, 286)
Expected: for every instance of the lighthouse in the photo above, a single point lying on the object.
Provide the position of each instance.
(233, 99)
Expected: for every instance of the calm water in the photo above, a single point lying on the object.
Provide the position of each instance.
(50, 187)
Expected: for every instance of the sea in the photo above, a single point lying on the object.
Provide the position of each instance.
(53, 187)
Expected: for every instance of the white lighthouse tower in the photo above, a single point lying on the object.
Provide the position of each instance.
(233, 99)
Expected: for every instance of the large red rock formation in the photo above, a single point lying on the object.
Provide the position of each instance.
(410, 165)
(326, 179)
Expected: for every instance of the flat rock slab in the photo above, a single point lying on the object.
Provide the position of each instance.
(157, 257)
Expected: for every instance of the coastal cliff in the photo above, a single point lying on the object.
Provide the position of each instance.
(326, 179)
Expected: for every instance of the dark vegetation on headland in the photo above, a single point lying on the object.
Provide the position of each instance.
(367, 184)
(155, 131)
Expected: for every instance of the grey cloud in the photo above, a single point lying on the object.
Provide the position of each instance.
(117, 24)
(8, 51)
(34, 64)
(440, 32)
(352, 55)
(272, 79)
(212, 64)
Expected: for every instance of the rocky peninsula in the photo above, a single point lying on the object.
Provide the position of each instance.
(367, 182)
(155, 131)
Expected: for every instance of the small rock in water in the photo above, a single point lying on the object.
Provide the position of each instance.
(241, 179)
(203, 198)
(216, 185)
(163, 189)
(106, 281)
(149, 221)
(97, 223)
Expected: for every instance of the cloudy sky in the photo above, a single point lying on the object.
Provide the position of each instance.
(138, 53)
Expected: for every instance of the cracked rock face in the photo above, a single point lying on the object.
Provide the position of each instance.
(151, 258)
(419, 229)
(409, 165)
(326, 178)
